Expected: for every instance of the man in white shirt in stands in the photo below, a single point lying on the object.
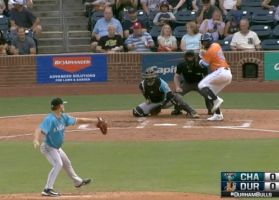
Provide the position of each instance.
(245, 39)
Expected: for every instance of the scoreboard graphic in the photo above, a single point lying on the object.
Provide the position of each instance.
(250, 184)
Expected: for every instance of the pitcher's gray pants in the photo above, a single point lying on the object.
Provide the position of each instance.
(58, 159)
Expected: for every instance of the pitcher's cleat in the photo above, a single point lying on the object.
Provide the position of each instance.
(50, 193)
(84, 182)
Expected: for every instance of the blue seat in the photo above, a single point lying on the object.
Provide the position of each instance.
(270, 44)
(179, 32)
(265, 17)
(239, 14)
(4, 23)
(263, 31)
(183, 16)
(225, 44)
(251, 10)
(4, 27)
(155, 32)
(275, 31)
(251, 3)
(96, 16)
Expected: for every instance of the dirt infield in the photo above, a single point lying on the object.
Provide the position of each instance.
(124, 127)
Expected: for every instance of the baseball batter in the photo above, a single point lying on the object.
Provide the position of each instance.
(52, 127)
(220, 76)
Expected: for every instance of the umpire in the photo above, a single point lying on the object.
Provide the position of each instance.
(188, 74)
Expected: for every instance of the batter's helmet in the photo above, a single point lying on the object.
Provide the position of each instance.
(150, 72)
(206, 40)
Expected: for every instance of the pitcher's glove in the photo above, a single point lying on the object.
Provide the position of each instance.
(102, 125)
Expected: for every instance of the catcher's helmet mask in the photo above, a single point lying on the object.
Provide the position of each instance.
(206, 40)
(150, 75)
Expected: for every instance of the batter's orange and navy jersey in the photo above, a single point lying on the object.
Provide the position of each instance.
(214, 57)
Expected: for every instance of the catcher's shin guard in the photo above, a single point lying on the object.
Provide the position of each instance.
(138, 112)
(178, 101)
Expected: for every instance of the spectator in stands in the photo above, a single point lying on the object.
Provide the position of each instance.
(276, 15)
(184, 5)
(150, 5)
(101, 27)
(139, 41)
(199, 4)
(164, 16)
(110, 43)
(227, 5)
(191, 40)
(123, 6)
(3, 45)
(215, 25)
(270, 4)
(166, 41)
(232, 25)
(23, 17)
(206, 11)
(26, 4)
(2, 7)
(22, 44)
(245, 39)
(128, 23)
(101, 4)
(29, 4)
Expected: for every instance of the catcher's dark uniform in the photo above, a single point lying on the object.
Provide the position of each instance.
(158, 96)
(191, 73)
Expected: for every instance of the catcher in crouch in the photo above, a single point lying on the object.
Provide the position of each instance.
(52, 127)
(158, 95)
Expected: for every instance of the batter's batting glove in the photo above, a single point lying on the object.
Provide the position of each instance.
(102, 125)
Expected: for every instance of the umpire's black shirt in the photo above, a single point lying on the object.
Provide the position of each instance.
(192, 72)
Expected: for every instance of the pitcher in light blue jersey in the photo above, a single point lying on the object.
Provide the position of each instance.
(52, 127)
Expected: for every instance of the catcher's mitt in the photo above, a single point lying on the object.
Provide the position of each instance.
(102, 125)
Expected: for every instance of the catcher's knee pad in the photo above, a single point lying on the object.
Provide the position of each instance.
(138, 112)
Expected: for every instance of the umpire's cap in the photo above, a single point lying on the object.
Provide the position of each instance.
(56, 102)
(189, 53)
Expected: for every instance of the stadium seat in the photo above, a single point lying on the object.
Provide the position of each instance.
(270, 44)
(152, 15)
(179, 32)
(265, 17)
(275, 31)
(251, 10)
(225, 44)
(240, 13)
(251, 3)
(263, 31)
(185, 16)
(4, 23)
(95, 17)
(4, 27)
(155, 31)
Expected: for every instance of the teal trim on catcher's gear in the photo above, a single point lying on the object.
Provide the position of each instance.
(54, 127)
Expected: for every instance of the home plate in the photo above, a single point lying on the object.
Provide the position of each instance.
(83, 126)
(165, 124)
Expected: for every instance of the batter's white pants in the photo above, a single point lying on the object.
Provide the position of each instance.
(217, 80)
(58, 159)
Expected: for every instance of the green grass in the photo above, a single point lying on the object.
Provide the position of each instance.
(183, 166)
(31, 105)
